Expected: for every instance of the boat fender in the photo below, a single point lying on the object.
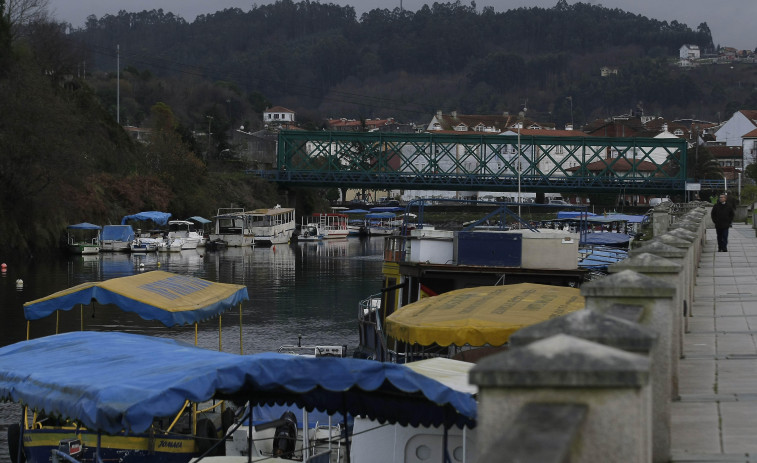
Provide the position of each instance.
(14, 435)
(285, 437)
(206, 437)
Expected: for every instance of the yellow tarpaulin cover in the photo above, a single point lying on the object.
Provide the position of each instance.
(169, 298)
(485, 315)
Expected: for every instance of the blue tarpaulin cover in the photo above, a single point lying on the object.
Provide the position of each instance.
(606, 238)
(84, 226)
(117, 233)
(169, 298)
(112, 381)
(160, 218)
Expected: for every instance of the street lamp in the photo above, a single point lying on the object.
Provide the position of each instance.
(521, 116)
(571, 111)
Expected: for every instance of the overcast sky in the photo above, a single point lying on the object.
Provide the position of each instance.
(732, 22)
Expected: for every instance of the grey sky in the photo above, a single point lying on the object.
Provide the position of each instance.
(731, 21)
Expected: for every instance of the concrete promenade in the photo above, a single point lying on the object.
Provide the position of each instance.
(715, 419)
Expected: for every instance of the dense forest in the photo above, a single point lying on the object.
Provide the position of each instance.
(322, 61)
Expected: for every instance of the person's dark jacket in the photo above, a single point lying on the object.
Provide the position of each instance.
(722, 215)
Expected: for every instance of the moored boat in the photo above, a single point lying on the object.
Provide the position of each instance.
(116, 238)
(232, 228)
(79, 238)
(175, 435)
(271, 226)
(134, 397)
(185, 231)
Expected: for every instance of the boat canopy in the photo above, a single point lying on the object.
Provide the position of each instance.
(485, 315)
(117, 233)
(356, 211)
(84, 226)
(113, 381)
(574, 214)
(198, 219)
(380, 215)
(387, 209)
(169, 298)
(160, 218)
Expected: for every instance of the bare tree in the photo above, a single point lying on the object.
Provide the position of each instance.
(21, 13)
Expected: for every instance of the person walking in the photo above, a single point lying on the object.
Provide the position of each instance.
(722, 216)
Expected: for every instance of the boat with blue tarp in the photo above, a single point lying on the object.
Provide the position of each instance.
(134, 385)
(168, 298)
(116, 238)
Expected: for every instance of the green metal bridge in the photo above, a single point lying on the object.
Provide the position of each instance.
(480, 162)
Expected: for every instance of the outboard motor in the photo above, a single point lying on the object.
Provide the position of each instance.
(71, 447)
(285, 437)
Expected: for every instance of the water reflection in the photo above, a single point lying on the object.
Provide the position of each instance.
(309, 289)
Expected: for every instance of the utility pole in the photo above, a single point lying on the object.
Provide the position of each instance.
(118, 84)
(207, 153)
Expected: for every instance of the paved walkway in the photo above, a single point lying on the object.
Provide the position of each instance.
(716, 417)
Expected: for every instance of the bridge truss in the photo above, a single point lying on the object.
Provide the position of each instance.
(480, 162)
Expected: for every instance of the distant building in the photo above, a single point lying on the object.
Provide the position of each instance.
(741, 123)
(354, 125)
(141, 134)
(689, 51)
(278, 115)
(605, 71)
(730, 158)
(478, 123)
(257, 148)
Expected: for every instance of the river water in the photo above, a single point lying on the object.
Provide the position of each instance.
(308, 289)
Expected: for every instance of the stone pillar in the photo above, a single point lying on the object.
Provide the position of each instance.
(562, 369)
(656, 296)
(672, 273)
(613, 332)
(660, 220)
(686, 241)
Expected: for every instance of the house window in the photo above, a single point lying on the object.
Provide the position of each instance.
(275, 116)
(559, 149)
(678, 132)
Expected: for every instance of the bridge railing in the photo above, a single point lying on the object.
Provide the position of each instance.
(484, 162)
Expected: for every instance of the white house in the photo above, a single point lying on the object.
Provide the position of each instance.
(689, 51)
(278, 115)
(750, 147)
(741, 123)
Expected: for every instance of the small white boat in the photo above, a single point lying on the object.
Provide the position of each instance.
(78, 243)
(116, 238)
(310, 232)
(185, 231)
(144, 244)
(169, 244)
(332, 225)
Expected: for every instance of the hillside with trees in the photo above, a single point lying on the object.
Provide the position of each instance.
(321, 60)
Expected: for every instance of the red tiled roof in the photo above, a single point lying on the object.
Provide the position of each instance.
(278, 109)
(725, 152)
(752, 134)
(750, 114)
(551, 133)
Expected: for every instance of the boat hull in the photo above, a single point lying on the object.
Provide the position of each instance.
(83, 248)
(138, 448)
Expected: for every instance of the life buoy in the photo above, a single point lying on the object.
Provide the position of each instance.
(285, 436)
(14, 435)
